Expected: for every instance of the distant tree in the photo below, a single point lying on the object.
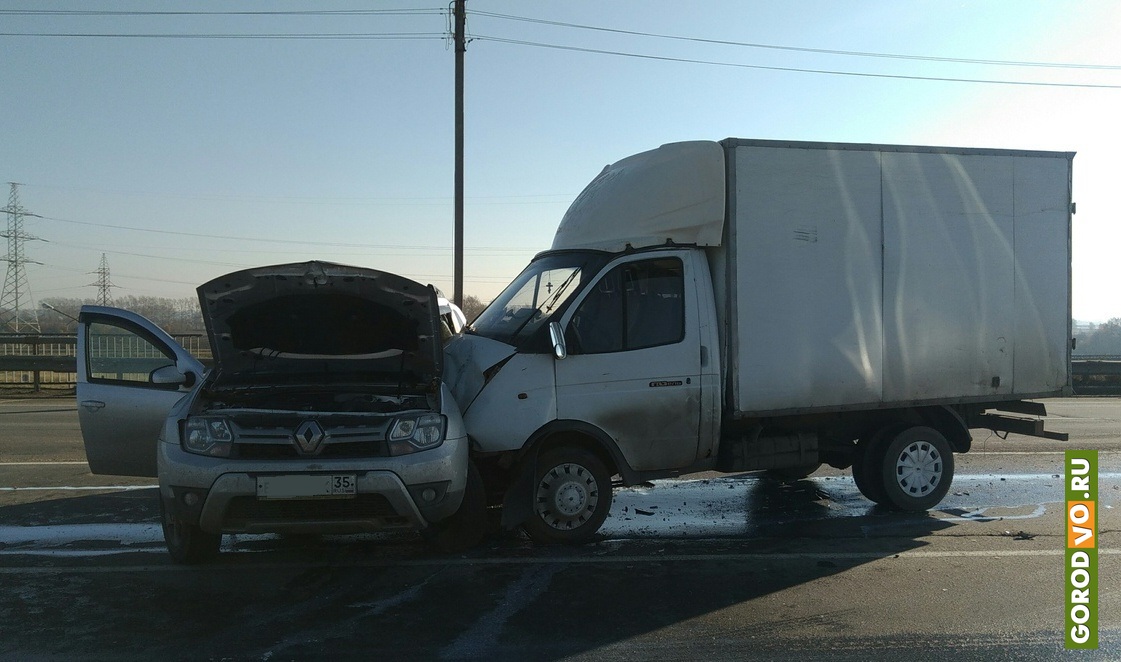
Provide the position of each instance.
(61, 316)
(172, 315)
(1100, 340)
(472, 306)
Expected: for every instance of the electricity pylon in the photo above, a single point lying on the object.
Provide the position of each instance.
(16, 306)
(103, 284)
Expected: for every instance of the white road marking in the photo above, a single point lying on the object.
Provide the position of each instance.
(44, 463)
(480, 639)
(560, 561)
(83, 488)
(66, 534)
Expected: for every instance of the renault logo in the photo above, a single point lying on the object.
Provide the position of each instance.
(308, 438)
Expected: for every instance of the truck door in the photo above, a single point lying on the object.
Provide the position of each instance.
(633, 364)
(130, 374)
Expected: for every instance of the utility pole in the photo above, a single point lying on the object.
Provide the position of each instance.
(104, 298)
(16, 297)
(457, 247)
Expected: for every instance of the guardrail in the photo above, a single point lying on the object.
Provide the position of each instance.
(49, 360)
(1097, 376)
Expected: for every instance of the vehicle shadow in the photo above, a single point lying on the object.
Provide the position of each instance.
(359, 597)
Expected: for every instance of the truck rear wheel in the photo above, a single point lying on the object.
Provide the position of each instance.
(866, 463)
(571, 496)
(917, 467)
(187, 543)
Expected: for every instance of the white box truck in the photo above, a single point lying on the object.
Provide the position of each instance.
(763, 305)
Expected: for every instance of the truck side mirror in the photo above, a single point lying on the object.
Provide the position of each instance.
(556, 336)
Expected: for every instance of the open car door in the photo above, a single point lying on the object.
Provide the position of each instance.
(130, 374)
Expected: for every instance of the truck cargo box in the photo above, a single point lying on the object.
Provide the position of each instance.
(872, 275)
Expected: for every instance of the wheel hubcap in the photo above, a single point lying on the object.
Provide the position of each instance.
(919, 469)
(567, 495)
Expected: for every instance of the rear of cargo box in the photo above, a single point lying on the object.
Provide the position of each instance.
(872, 276)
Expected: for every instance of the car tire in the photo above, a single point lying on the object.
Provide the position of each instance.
(469, 525)
(187, 543)
(917, 467)
(571, 496)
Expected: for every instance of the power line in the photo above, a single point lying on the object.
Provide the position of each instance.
(798, 49)
(301, 242)
(357, 36)
(417, 251)
(306, 12)
(430, 200)
(831, 72)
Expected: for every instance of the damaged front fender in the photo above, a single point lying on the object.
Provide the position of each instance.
(467, 359)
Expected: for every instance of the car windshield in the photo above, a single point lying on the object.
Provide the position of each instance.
(534, 296)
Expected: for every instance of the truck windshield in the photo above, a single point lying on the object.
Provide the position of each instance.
(539, 291)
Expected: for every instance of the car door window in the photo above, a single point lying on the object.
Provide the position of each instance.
(120, 354)
(634, 306)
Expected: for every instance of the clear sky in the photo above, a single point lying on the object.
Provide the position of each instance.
(184, 158)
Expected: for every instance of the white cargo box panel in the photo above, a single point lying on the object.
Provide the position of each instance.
(869, 275)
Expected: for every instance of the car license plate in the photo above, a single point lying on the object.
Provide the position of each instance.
(315, 486)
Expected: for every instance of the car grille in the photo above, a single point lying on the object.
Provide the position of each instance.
(265, 438)
(287, 450)
(247, 509)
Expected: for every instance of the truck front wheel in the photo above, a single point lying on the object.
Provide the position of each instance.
(917, 466)
(571, 496)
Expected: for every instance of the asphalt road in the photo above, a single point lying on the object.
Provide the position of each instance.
(724, 567)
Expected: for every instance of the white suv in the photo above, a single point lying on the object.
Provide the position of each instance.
(325, 410)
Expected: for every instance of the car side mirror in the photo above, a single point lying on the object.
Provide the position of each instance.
(556, 336)
(168, 374)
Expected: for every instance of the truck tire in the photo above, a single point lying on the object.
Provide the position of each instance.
(571, 496)
(187, 543)
(866, 463)
(787, 474)
(469, 525)
(917, 467)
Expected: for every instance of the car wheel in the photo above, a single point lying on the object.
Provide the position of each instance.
(187, 543)
(469, 525)
(571, 496)
(787, 474)
(917, 469)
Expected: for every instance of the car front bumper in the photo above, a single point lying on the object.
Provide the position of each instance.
(404, 492)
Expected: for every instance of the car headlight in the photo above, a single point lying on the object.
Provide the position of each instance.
(420, 433)
(206, 435)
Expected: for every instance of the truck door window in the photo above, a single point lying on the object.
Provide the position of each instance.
(635, 305)
(120, 355)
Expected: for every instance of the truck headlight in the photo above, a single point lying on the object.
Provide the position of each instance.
(207, 435)
(419, 433)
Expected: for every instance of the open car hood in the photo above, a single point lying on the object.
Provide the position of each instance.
(319, 323)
